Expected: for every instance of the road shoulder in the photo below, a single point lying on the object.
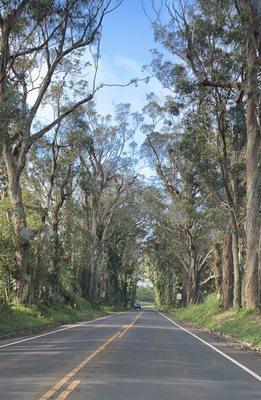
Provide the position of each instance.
(245, 355)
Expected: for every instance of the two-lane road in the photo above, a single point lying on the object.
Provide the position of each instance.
(130, 356)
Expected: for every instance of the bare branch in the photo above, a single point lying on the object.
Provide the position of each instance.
(207, 280)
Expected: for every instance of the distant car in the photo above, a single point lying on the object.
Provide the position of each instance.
(138, 306)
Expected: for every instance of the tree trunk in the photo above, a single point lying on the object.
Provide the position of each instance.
(125, 293)
(78, 277)
(18, 219)
(250, 12)
(56, 258)
(22, 234)
(169, 287)
(252, 288)
(227, 272)
(36, 277)
(92, 276)
(237, 278)
(92, 260)
(185, 288)
(217, 267)
(193, 293)
(193, 289)
(133, 295)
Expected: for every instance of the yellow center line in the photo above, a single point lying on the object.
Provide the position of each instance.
(128, 327)
(59, 384)
(72, 373)
(69, 390)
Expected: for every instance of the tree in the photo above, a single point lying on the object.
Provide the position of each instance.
(145, 294)
(123, 246)
(207, 38)
(106, 173)
(250, 15)
(40, 43)
(179, 175)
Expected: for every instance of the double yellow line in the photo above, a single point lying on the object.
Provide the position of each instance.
(72, 373)
(127, 327)
(68, 391)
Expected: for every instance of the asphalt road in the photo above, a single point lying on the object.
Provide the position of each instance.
(130, 356)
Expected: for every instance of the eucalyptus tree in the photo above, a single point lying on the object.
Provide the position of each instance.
(79, 179)
(159, 255)
(192, 149)
(123, 246)
(250, 15)
(51, 177)
(39, 43)
(218, 44)
(221, 176)
(106, 174)
(180, 178)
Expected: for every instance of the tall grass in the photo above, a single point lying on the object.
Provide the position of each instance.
(18, 318)
(244, 324)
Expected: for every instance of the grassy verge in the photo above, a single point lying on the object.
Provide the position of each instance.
(18, 318)
(243, 325)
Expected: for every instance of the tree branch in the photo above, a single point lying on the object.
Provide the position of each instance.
(207, 280)
(222, 84)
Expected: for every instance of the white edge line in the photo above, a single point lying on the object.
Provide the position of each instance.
(75, 325)
(249, 371)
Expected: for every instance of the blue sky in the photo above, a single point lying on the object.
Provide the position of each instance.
(126, 43)
(127, 31)
(127, 39)
(125, 48)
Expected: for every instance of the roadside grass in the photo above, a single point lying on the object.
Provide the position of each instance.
(19, 319)
(243, 325)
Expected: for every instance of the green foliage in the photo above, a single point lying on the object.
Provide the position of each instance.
(145, 294)
(200, 157)
(7, 264)
(244, 325)
(18, 318)
(85, 221)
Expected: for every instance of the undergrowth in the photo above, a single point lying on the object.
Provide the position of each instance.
(243, 325)
(19, 318)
